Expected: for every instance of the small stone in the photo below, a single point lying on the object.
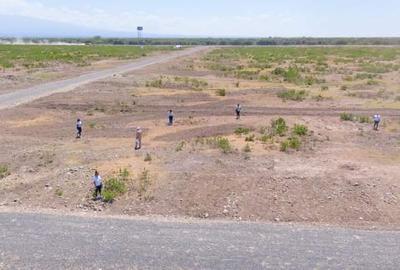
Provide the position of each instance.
(277, 219)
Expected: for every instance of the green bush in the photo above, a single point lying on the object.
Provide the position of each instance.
(221, 92)
(364, 119)
(291, 143)
(180, 146)
(4, 171)
(293, 95)
(115, 186)
(58, 192)
(292, 75)
(279, 127)
(224, 145)
(242, 130)
(300, 130)
(346, 117)
(250, 138)
(144, 182)
(284, 146)
(265, 138)
(294, 143)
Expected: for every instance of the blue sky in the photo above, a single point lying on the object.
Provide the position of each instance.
(220, 17)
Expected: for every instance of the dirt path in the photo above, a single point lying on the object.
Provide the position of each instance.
(40, 241)
(26, 95)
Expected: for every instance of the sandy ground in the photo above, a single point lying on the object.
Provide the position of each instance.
(344, 174)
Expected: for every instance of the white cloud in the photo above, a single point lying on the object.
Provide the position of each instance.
(263, 24)
(94, 18)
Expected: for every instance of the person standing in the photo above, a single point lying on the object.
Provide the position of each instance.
(98, 184)
(238, 110)
(170, 118)
(377, 120)
(78, 128)
(138, 142)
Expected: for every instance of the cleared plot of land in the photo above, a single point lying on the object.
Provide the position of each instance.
(25, 65)
(303, 151)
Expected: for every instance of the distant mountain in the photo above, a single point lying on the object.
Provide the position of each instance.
(17, 26)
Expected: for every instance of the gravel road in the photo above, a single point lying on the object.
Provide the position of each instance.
(45, 241)
(26, 95)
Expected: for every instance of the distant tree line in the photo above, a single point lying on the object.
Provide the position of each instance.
(270, 41)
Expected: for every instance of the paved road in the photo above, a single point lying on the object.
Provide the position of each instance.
(26, 95)
(42, 241)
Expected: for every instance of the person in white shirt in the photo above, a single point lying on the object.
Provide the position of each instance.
(238, 109)
(98, 184)
(377, 120)
(78, 128)
(138, 142)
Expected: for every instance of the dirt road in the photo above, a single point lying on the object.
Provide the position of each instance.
(42, 241)
(26, 95)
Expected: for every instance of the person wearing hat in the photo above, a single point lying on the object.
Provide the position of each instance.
(138, 142)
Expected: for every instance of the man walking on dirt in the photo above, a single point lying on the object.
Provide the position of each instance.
(97, 184)
(170, 118)
(377, 120)
(238, 109)
(138, 141)
(78, 128)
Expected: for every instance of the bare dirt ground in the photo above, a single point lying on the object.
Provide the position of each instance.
(17, 78)
(344, 174)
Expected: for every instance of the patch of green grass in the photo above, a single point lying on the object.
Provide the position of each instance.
(157, 83)
(144, 183)
(300, 130)
(250, 138)
(355, 118)
(224, 145)
(34, 56)
(115, 186)
(4, 171)
(180, 146)
(221, 143)
(294, 95)
(346, 117)
(148, 157)
(92, 124)
(372, 82)
(221, 92)
(279, 127)
(266, 138)
(290, 143)
(242, 131)
(59, 192)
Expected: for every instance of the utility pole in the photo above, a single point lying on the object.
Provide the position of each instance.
(140, 34)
